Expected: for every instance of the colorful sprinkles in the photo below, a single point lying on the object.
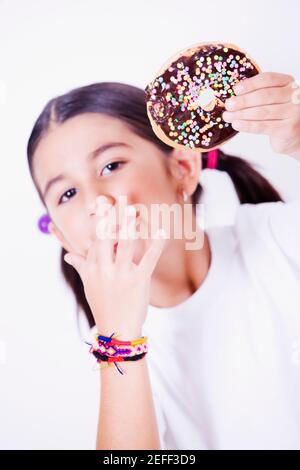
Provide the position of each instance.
(187, 100)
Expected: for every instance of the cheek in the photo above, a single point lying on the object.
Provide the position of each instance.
(76, 233)
(153, 186)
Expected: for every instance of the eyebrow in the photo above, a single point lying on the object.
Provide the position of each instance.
(91, 156)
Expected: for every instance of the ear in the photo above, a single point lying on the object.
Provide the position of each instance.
(57, 233)
(186, 165)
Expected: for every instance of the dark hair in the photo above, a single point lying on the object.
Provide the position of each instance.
(127, 103)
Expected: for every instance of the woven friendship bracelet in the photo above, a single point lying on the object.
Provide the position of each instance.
(105, 360)
(102, 357)
(109, 350)
(112, 350)
(112, 339)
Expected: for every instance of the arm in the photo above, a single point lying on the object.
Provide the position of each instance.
(117, 291)
(269, 103)
(126, 415)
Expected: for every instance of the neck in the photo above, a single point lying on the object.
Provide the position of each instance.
(180, 271)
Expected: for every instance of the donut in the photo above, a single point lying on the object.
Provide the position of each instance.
(186, 99)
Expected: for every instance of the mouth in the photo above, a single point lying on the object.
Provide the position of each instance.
(118, 227)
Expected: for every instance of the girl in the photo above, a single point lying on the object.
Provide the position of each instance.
(222, 320)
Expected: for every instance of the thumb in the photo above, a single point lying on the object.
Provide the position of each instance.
(74, 260)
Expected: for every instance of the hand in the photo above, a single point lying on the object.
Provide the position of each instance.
(117, 289)
(268, 103)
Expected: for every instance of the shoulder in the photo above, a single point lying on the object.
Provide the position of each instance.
(276, 225)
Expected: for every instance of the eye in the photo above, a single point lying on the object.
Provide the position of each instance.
(112, 165)
(67, 192)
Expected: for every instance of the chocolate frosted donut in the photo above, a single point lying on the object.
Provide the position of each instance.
(185, 101)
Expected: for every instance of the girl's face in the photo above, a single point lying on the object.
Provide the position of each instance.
(94, 154)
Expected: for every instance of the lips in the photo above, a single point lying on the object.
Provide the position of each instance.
(117, 230)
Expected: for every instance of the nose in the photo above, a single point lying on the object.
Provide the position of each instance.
(94, 213)
(92, 206)
(104, 199)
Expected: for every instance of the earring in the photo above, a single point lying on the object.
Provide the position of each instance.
(184, 196)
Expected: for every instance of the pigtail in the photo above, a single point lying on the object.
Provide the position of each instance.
(73, 280)
(250, 185)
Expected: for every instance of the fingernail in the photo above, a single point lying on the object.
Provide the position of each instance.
(101, 199)
(230, 104)
(227, 116)
(238, 88)
(236, 125)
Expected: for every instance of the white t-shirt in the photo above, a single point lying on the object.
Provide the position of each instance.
(225, 363)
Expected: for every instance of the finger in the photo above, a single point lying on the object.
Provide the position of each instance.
(75, 260)
(127, 237)
(102, 205)
(262, 80)
(151, 257)
(91, 256)
(260, 113)
(262, 127)
(103, 245)
(102, 208)
(260, 97)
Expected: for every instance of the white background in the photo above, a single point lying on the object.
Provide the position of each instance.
(49, 390)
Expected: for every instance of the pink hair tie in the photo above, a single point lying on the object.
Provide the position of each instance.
(43, 223)
(212, 159)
